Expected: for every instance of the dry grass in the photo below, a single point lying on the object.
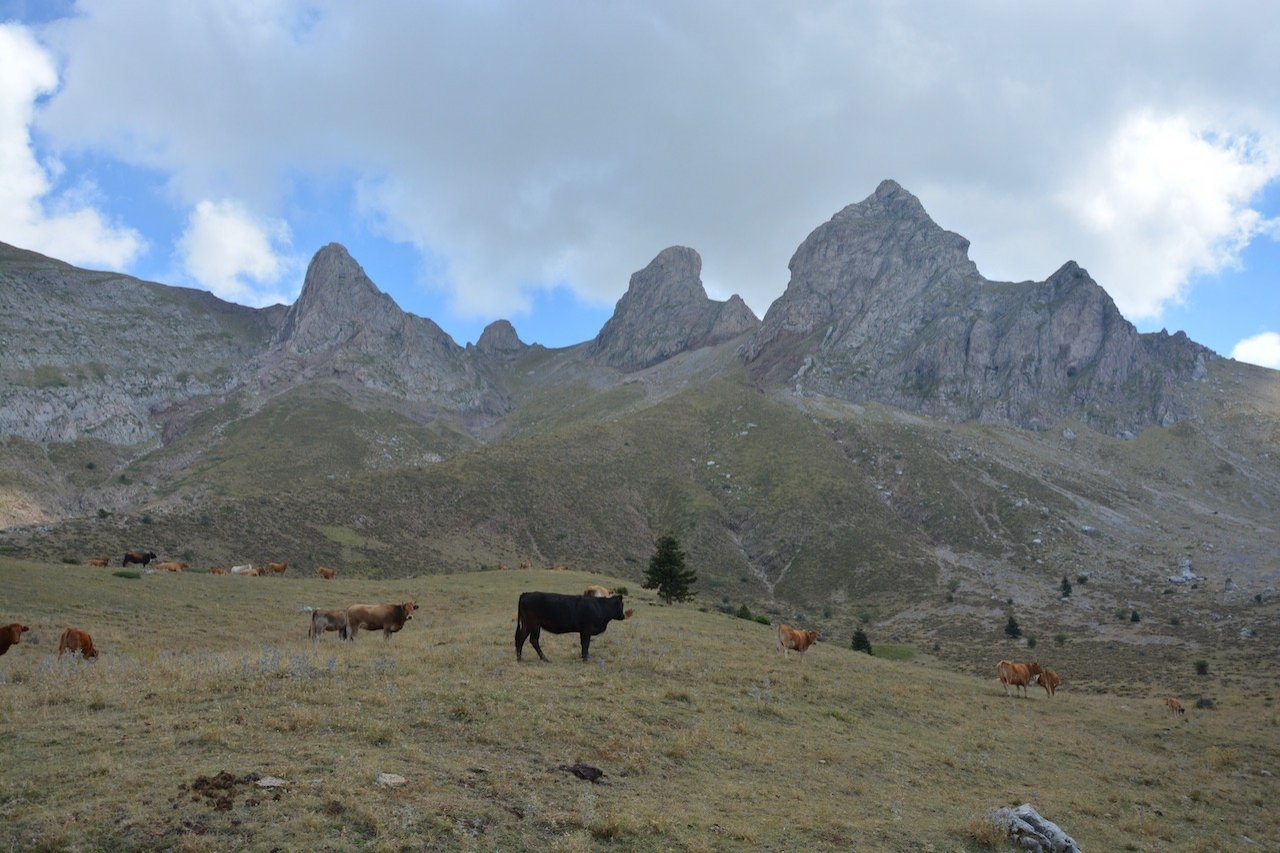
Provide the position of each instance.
(710, 739)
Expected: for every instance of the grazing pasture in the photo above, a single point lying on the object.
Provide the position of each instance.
(205, 686)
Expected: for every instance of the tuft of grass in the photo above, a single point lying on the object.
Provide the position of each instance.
(126, 573)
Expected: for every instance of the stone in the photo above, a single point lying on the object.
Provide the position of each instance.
(1031, 831)
(390, 780)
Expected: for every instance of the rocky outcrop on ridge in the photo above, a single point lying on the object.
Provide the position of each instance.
(666, 311)
(499, 340)
(885, 305)
(342, 328)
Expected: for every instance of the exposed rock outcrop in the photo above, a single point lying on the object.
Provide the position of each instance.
(343, 328)
(883, 304)
(499, 340)
(666, 311)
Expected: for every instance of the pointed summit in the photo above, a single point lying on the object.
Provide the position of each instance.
(499, 340)
(666, 311)
(884, 304)
(344, 329)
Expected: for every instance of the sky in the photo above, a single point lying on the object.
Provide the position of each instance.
(518, 160)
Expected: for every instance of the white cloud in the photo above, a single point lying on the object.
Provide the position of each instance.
(1263, 349)
(32, 214)
(236, 256)
(523, 145)
(1166, 199)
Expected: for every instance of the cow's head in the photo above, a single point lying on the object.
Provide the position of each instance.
(613, 607)
(811, 636)
(408, 607)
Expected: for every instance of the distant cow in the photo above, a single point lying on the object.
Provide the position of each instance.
(585, 615)
(389, 617)
(100, 562)
(74, 640)
(598, 591)
(327, 573)
(217, 570)
(329, 620)
(1049, 680)
(140, 557)
(173, 566)
(1020, 675)
(275, 568)
(525, 564)
(1175, 707)
(11, 634)
(791, 638)
(240, 570)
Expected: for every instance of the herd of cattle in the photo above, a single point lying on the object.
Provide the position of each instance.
(587, 615)
(248, 570)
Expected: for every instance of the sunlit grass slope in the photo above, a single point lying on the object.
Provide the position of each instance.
(709, 738)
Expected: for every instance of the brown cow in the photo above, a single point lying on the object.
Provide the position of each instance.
(100, 562)
(790, 638)
(327, 573)
(1175, 707)
(1020, 675)
(329, 620)
(11, 634)
(389, 617)
(525, 564)
(1049, 680)
(275, 568)
(74, 640)
(173, 566)
(217, 570)
(598, 591)
(140, 557)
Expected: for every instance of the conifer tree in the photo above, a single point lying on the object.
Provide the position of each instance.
(1012, 629)
(860, 642)
(667, 572)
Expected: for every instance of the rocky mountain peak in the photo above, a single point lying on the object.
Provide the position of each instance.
(884, 304)
(499, 339)
(666, 311)
(338, 301)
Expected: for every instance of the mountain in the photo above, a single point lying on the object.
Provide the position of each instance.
(665, 312)
(884, 304)
(899, 444)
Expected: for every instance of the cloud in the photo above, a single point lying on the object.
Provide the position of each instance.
(1262, 349)
(525, 146)
(235, 255)
(1167, 199)
(33, 214)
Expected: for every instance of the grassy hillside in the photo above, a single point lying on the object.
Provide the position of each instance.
(709, 738)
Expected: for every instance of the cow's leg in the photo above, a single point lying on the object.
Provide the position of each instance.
(520, 637)
(586, 644)
(534, 635)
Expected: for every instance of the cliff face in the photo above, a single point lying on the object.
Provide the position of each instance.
(342, 328)
(666, 311)
(883, 304)
(91, 355)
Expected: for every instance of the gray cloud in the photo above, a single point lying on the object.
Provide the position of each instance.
(525, 144)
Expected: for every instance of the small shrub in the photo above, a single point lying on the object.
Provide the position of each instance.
(1059, 638)
(1065, 586)
(1135, 617)
(1031, 642)
(1012, 628)
(102, 513)
(71, 561)
(861, 643)
(761, 618)
(621, 590)
(1175, 621)
(1082, 578)
(125, 573)
(744, 612)
(1204, 703)
(89, 466)
(1202, 667)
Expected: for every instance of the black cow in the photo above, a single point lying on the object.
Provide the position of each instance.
(142, 557)
(586, 615)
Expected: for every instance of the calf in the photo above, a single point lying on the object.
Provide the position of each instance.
(276, 568)
(140, 557)
(74, 640)
(1020, 675)
(11, 634)
(327, 573)
(217, 570)
(173, 566)
(790, 638)
(585, 615)
(1175, 707)
(1049, 680)
(389, 617)
(329, 620)
(100, 562)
